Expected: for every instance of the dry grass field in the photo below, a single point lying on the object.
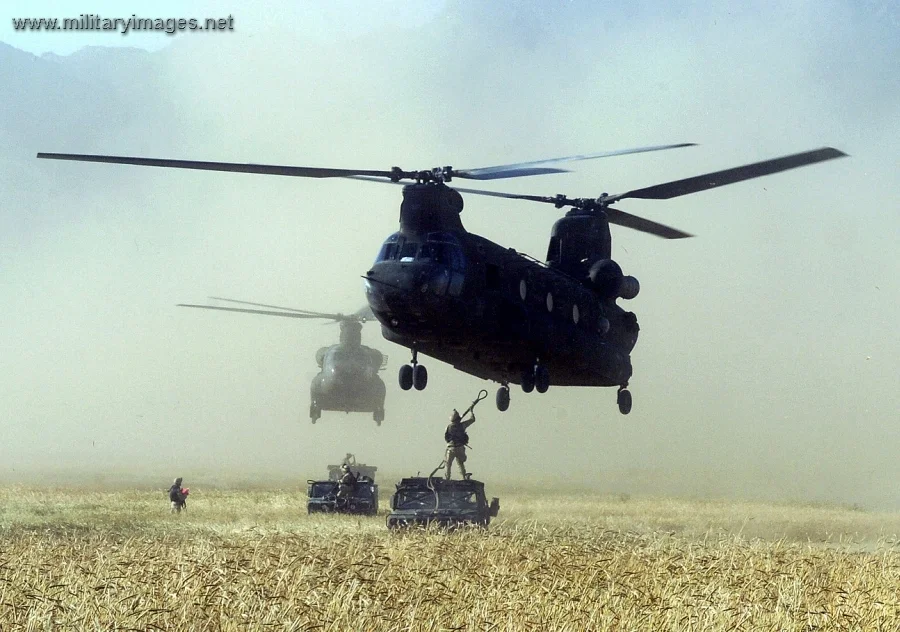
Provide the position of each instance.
(79, 560)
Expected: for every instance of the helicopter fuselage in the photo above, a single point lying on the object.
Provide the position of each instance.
(348, 380)
(488, 310)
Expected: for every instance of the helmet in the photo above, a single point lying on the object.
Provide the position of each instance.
(454, 417)
(345, 467)
(178, 481)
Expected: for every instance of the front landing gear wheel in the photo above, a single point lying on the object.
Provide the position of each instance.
(314, 413)
(503, 398)
(419, 377)
(406, 377)
(378, 416)
(528, 380)
(541, 378)
(623, 399)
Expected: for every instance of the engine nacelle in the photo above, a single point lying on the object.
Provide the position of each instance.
(609, 282)
(629, 287)
(606, 277)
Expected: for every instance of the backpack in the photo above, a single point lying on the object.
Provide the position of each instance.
(175, 494)
(456, 434)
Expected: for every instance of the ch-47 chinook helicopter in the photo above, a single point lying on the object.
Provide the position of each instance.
(348, 380)
(488, 310)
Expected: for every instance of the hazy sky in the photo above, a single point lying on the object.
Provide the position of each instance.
(769, 356)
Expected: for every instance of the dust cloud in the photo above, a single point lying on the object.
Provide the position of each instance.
(769, 354)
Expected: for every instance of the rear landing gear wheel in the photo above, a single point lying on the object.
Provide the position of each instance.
(623, 399)
(541, 378)
(378, 416)
(528, 380)
(503, 398)
(406, 377)
(420, 377)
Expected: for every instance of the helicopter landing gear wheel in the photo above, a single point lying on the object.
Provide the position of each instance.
(406, 377)
(378, 416)
(623, 399)
(419, 377)
(541, 378)
(503, 398)
(314, 413)
(528, 380)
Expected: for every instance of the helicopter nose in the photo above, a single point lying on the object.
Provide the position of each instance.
(404, 289)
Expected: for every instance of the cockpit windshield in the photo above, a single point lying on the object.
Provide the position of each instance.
(440, 248)
(389, 249)
(445, 254)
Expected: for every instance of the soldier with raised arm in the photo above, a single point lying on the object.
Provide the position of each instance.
(457, 439)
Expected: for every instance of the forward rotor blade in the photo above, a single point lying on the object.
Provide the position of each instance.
(288, 309)
(730, 176)
(532, 168)
(508, 196)
(621, 218)
(254, 311)
(277, 170)
(495, 173)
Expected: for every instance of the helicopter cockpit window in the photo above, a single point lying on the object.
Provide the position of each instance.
(408, 251)
(443, 248)
(390, 249)
(445, 254)
(433, 253)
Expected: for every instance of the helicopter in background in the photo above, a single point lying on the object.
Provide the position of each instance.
(488, 310)
(348, 379)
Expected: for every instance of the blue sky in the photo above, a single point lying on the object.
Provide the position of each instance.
(313, 18)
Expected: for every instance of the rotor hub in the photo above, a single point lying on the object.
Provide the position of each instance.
(435, 174)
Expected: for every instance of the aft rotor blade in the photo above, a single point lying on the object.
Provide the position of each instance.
(534, 167)
(621, 218)
(254, 311)
(730, 176)
(277, 170)
(288, 309)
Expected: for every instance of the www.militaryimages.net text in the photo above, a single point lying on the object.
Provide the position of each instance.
(92, 22)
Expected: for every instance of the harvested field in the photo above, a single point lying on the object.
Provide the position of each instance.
(72, 559)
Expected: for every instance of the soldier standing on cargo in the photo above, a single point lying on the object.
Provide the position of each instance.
(177, 497)
(346, 484)
(457, 439)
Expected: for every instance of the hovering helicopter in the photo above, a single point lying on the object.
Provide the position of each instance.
(493, 312)
(348, 380)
